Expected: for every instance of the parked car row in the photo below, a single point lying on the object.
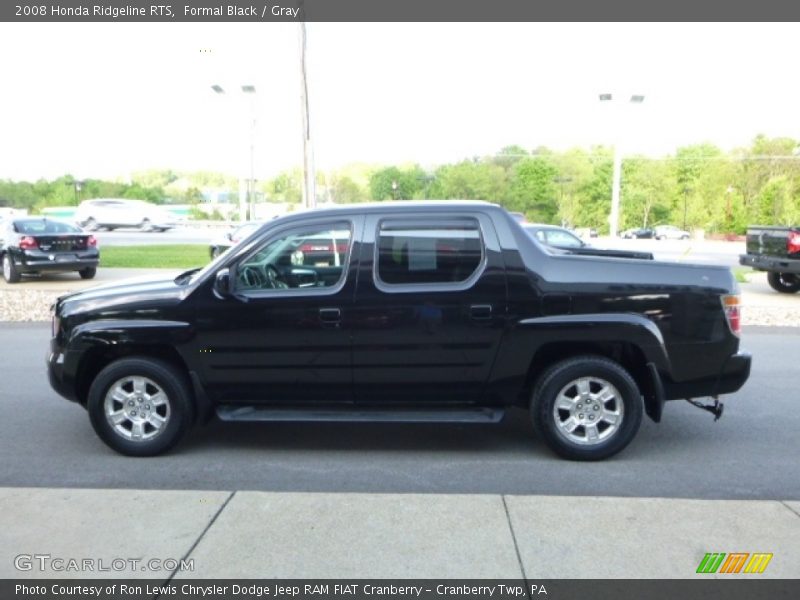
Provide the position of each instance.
(660, 232)
(564, 240)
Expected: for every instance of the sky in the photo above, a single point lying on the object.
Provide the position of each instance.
(104, 100)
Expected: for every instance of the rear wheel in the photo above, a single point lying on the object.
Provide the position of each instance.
(785, 283)
(10, 273)
(90, 225)
(146, 225)
(88, 273)
(586, 408)
(140, 406)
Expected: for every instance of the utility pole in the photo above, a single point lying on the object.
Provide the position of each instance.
(309, 178)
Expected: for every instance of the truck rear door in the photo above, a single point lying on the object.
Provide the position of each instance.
(430, 308)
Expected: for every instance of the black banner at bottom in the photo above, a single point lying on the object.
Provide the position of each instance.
(400, 589)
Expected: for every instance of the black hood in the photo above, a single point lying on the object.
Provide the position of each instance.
(139, 293)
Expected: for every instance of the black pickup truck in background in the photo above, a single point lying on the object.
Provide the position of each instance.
(400, 312)
(775, 250)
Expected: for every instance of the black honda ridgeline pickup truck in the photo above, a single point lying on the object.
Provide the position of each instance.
(401, 312)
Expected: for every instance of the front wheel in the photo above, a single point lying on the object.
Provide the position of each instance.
(140, 406)
(88, 273)
(10, 273)
(785, 283)
(586, 408)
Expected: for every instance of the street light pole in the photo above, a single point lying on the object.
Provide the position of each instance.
(309, 179)
(616, 181)
(247, 204)
(250, 90)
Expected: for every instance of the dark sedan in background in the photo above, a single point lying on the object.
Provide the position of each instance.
(31, 245)
(639, 233)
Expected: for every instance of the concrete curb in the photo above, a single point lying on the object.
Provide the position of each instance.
(308, 535)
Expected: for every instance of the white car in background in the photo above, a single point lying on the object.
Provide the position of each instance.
(670, 232)
(111, 213)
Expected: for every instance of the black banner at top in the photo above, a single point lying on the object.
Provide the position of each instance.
(397, 10)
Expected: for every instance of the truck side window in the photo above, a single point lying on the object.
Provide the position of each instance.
(306, 257)
(429, 251)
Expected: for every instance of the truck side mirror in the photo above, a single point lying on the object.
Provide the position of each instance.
(222, 283)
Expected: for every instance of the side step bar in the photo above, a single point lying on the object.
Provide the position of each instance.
(238, 412)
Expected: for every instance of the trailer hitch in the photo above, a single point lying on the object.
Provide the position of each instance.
(715, 409)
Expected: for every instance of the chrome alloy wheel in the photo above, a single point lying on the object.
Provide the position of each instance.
(588, 411)
(136, 408)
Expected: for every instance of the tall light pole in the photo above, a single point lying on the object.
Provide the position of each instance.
(247, 207)
(309, 179)
(250, 90)
(616, 181)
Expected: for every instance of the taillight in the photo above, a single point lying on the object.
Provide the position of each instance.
(731, 304)
(28, 243)
(793, 243)
(91, 241)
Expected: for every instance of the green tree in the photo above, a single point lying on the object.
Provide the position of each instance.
(533, 189)
(470, 180)
(393, 183)
(594, 193)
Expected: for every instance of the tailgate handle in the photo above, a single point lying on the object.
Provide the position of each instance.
(480, 311)
(330, 315)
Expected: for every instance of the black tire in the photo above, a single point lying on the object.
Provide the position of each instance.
(557, 379)
(88, 273)
(10, 273)
(785, 283)
(164, 377)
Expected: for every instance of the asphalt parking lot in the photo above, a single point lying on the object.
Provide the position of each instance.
(751, 453)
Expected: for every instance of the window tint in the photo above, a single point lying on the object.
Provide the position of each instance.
(430, 251)
(307, 257)
(556, 237)
(43, 226)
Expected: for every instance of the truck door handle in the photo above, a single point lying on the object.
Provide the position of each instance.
(330, 315)
(480, 312)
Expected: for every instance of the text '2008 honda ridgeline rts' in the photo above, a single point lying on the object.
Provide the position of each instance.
(402, 312)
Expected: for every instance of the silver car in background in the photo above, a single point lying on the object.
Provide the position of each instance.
(113, 213)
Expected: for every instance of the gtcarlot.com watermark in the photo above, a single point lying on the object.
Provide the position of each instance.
(47, 563)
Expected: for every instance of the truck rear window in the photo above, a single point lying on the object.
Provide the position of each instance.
(431, 251)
